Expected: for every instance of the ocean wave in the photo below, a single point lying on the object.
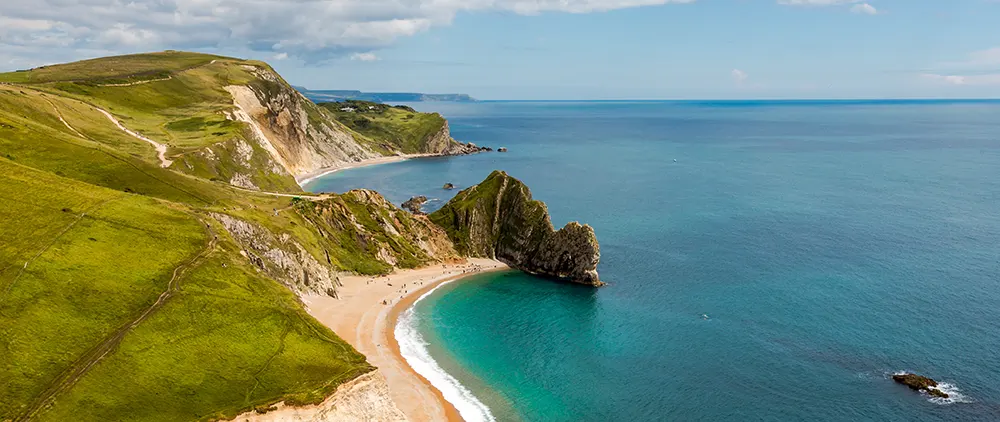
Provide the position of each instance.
(954, 393)
(413, 347)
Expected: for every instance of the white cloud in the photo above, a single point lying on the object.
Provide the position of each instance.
(864, 9)
(739, 76)
(309, 29)
(982, 61)
(964, 80)
(364, 57)
(281, 56)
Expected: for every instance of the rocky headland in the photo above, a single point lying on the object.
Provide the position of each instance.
(499, 219)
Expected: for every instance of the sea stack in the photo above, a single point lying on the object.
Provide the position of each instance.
(498, 219)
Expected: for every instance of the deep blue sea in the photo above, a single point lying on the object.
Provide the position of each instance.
(772, 261)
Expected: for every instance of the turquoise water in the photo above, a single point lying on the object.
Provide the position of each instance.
(830, 244)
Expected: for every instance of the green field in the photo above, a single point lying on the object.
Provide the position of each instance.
(121, 297)
(389, 129)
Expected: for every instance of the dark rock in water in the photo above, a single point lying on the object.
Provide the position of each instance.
(920, 383)
(448, 186)
(502, 149)
(459, 148)
(415, 204)
(498, 219)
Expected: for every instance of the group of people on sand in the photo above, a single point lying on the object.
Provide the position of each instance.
(466, 269)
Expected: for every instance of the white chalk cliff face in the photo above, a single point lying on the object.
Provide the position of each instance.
(299, 135)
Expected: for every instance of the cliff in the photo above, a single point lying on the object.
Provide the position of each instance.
(498, 219)
(231, 120)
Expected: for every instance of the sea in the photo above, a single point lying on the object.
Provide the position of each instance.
(765, 261)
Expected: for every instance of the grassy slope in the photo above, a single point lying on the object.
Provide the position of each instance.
(227, 340)
(96, 258)
(479, 200)
(388, 129)
(181, 105)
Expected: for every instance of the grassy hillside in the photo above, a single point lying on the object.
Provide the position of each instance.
(389, 129)
(177, 99)
(109, 70)
(122, 294)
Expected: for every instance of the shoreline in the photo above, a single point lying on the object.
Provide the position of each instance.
(310, 177)
(361, 319)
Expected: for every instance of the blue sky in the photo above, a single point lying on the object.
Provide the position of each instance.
(563, 49)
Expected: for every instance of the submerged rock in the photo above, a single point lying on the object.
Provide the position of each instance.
(414, 204)
(920, 383)
(498, 219)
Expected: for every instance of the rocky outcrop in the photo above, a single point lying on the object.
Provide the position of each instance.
(920, 383)
(415, 204)
(448, 186)
(458, 148)
(498, 219)
(502, 149)
(281, 257)
(368, 234)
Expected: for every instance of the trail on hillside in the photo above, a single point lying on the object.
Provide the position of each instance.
(161, 150)
(53, 242)
(138, 82)
(78, 369)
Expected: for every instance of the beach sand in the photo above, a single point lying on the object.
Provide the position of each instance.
(305, 179)
(360, 318)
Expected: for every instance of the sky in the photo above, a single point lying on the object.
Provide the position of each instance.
(549, 49)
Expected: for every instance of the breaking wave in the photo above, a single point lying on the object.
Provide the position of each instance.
(413, 347)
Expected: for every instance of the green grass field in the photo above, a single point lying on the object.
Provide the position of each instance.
(112, 69)
(388, 129)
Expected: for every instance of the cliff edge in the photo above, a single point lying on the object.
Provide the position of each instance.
(498, 219)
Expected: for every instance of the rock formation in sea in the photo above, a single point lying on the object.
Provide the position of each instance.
(498, 219)
(414, 204)
(448, 186)
(920, 383)
(458, 148)
(502, 149)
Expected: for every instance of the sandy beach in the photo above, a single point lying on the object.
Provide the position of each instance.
(361, 318)
(305, 179)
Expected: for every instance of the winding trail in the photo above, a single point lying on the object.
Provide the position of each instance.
(161, 150)
(78, 369)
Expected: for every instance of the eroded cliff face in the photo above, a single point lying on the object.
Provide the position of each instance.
(298, 134)
(367, 233)
(498, 219)
(281, 257)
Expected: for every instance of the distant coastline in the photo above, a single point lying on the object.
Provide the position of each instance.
(332, 95)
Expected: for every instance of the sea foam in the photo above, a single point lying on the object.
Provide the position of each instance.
(954, 394)
(413, 347)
